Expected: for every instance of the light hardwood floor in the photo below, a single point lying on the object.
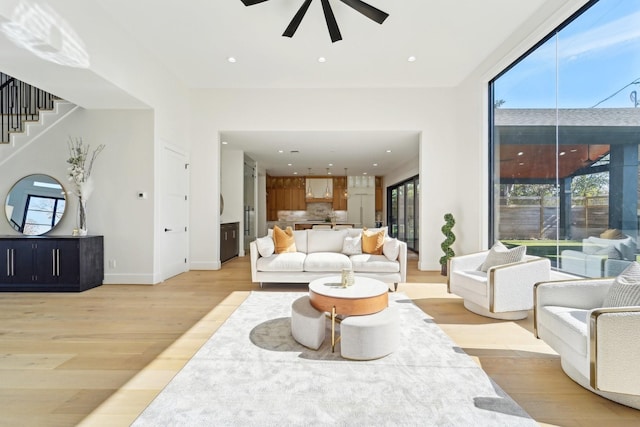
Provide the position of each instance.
(99, 357)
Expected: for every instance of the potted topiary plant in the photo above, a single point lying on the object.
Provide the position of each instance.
(449, 222)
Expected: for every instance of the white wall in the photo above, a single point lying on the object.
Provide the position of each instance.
(123, 168)
(429, 111)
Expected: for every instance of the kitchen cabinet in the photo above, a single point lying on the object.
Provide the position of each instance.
(339, 187)
(378, 193)
(285, 193)
(229, 238)
(51, 264)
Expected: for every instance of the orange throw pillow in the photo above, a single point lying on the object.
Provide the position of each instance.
(372, 242)
(284, 240)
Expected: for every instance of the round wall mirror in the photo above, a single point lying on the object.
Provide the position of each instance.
(35, 204)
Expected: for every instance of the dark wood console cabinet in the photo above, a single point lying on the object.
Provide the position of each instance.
(51, 263)
(229, 240)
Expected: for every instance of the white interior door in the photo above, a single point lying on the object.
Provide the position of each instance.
(174, 213)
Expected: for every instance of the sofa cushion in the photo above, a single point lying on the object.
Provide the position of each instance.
(473, 281)
(500, 255)
(284, 240)
(325, 240)
(391, 249)
(291, 261)
(300, 236)
(265, 245)
(625, 289)
(326, 261)
(373, 241)
(352, 245)
(368, 263)
(567, 323)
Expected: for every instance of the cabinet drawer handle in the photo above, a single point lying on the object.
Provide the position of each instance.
(13, 262)
(53, 261)
(8, 262)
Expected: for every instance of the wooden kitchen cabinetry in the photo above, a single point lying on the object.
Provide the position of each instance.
(229, 239)
(284, 193)
(378, 193)
(51, 264)
(339, 187)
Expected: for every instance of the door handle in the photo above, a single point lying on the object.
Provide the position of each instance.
(167, 229)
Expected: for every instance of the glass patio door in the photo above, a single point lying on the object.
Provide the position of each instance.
(403, 210)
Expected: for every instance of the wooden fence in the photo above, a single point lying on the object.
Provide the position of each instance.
(538, 218)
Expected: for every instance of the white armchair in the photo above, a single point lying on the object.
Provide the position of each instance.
(504, 291)
(598, 346)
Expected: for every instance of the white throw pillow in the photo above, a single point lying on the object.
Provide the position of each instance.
(499, 255)
(391, 249)
(352, 245)
(266, 247)
(625, 290)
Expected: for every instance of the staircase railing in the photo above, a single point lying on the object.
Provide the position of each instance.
(19, 103)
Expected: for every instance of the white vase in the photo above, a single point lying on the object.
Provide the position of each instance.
(82, 216)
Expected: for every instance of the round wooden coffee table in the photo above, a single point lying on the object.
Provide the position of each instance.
(365, 296)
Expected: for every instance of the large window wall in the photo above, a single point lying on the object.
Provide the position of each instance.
(565, 132)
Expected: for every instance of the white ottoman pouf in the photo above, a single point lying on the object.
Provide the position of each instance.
(308, 325)
(370, 336)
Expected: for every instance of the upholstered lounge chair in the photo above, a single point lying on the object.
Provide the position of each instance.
(503, 291)
(598, 346)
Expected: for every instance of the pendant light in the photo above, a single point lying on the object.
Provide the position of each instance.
(327, 193)
(346, 189)
(309, 190)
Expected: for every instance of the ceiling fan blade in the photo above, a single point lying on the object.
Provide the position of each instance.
(252, 2)
(295, 22)
(367, 10)
(332, 25)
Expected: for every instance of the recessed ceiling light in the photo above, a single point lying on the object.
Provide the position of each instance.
(289, 164)
(295, 173)
(224, 142)
(231, 59)
(364, 173)
(330, 164)
(520, 153)
(280, 151)
(573, 150)
(521, 164)
(322, 59)
(375, 164)
(388, 151)
(562, 153)
(412, 58)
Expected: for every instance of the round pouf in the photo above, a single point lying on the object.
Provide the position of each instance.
(308, 325)
(371, 336)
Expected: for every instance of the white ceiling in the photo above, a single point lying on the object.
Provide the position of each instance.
(193, 40)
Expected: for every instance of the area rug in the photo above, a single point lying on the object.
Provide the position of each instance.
(252, 373)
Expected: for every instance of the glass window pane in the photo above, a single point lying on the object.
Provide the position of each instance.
(565, 136)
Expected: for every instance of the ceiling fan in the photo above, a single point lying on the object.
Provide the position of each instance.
(366, 9)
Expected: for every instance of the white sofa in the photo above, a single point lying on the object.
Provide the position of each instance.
(503, 291)
(599, 257)
(319, 254)
(598, 346)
